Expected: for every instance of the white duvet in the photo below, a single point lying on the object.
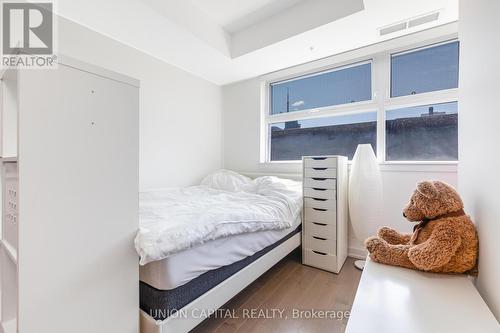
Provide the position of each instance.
(172, 220)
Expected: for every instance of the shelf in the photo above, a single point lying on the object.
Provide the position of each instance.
(10, 250)
(9, 158)
(9, 326)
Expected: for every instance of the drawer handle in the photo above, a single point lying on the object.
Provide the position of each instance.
(319, 158)
(319, 179)
(321, 224)
(320, 209)
(318, 199)
(321, 253)
(320, 169)
(320, 238)
(319, 189)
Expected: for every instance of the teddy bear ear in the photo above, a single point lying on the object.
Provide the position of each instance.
(427, 189)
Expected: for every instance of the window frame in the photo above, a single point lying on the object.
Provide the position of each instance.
(415, 49)
(380, 102)
(415, 161)
(331, 70)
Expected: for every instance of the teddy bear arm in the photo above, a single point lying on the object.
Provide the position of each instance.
(393, 237)
(385, 253)
(437, 250)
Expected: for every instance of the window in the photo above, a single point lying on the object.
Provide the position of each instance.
(429, 69)
(331, 112)
(339, 135)
(422, 133)
(340, 86)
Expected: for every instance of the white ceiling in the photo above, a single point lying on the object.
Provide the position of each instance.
(224, 41)
(234, 15)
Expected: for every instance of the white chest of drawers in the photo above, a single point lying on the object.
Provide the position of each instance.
(325, 214)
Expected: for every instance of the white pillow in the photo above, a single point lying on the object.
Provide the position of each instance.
(226, 180)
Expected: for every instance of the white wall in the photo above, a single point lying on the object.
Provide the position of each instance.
(180, 114)
(479, 136)
(241, 127)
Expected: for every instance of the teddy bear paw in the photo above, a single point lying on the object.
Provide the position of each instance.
(385, 231)
(374, 243)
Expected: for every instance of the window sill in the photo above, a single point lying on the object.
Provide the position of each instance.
(423, 166)
(399, 166)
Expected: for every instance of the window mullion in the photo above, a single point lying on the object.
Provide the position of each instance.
(435, 97)
(324, 112)
(381, 86)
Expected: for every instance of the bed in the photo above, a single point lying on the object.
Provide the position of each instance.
(200, 246)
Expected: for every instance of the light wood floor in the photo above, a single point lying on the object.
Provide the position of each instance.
(287, 286)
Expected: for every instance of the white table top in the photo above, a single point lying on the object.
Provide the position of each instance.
(392, 299)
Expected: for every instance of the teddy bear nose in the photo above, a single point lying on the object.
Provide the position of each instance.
(404, 215)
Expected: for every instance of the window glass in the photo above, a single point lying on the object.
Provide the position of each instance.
(338, 135)
(347, 85)
(425, 70)
(422, 133)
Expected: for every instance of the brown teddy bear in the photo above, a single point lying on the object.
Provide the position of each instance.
(444, 241)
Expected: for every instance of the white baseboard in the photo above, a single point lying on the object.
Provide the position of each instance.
(357, 252)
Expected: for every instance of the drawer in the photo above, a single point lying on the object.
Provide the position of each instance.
(320, 229)
(319, 193)
(320, 203)
(320, 216)
(325, 183)
(320, 162)
(320, 260)
(320, 244)
(320, 173)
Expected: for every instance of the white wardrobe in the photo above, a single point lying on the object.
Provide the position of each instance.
(69, 155)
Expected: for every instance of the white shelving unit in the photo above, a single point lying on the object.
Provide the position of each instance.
(9, 241)
(8, 112)
(69, 200)
(324, 243)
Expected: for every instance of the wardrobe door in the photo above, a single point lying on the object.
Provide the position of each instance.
(78, 201)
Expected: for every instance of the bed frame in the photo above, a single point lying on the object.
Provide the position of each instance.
(220, 294)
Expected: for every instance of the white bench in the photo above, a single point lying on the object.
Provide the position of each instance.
(392, 299)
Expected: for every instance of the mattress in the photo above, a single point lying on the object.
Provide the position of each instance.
(182, 267)
(160, 304)
(176, 219)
